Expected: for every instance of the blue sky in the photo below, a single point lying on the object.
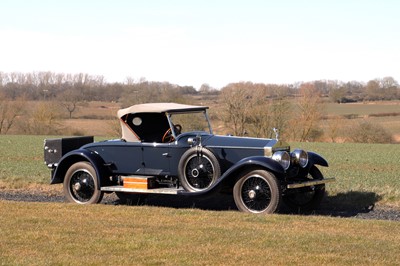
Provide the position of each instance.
(196, 42)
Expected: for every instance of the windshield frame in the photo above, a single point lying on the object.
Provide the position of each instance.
(171, 124)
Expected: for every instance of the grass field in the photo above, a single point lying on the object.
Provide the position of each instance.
(386, 114)
(68, 234)
(363, 109)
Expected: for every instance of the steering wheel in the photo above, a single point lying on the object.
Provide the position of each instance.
(168, 137)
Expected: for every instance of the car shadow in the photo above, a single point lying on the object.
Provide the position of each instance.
(348, 204)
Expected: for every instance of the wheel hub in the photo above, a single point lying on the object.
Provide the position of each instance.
(77, 186)
(252, 194)
(80, 184)
(195, 172)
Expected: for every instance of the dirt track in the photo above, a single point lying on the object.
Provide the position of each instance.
(223, 203)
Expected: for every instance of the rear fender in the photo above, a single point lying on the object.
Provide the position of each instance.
(78, 156)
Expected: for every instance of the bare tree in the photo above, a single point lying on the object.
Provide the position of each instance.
(280, 112)
(9, 112)
(334, 125)
(69, 100)
(308, 113)
(205, 88)
(42, 120)
(258, 118)
(373, 91)
(236, 100)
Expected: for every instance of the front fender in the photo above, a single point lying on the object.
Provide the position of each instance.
(231, 174)
(256, 161)
(77, 156)
(315, 158)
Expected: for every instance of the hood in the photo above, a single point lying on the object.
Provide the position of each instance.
(268, 145)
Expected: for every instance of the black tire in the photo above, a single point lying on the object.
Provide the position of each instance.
(131, 198)
(198, 169)
(81, 184)
(257, 191)
(306, 199)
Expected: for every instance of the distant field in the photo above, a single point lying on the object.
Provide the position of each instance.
(363, 109)
(100, 118)
(385, 114)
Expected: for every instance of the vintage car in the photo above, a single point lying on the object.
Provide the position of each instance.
(169, 148)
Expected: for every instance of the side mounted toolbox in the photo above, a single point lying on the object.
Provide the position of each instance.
(140, 182)
(54, 149)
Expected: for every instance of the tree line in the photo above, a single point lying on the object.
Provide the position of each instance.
(54, 86)
(248, 109)
(255, 110)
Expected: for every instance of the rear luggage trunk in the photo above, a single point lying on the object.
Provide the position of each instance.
(55, 149)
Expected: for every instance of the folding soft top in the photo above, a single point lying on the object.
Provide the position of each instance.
(159, 108)
(154, 124)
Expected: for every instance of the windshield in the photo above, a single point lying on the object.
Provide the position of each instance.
(194, 121)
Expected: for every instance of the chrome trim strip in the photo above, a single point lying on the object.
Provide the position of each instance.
(236, 147)
(311, 183)
(171, 191)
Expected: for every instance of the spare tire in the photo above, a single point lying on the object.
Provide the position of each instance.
(198, 169)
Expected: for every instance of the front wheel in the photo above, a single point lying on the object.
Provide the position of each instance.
(81, 184)
(257, 191)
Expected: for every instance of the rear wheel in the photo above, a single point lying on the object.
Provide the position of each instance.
(308, 198)
(81, 184)
(257, 191)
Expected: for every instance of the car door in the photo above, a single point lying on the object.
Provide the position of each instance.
(156, 158)
(123, 157)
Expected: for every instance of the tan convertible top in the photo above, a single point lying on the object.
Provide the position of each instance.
(128, 133)
(159, 108)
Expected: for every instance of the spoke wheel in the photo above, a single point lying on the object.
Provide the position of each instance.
(198, 169)
(309, 198)
(81, 184)
(257, 191)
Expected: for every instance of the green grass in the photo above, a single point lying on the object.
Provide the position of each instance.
(22, 160)
(362, 171)
(68, 234)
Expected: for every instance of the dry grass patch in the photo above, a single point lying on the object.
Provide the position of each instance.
(46, 233)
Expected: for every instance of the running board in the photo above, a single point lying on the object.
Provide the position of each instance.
(311, 183)
(170, 191)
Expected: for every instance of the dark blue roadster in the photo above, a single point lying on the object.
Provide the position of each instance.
(169, 148)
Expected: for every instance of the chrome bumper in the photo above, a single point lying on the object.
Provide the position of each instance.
(311, 183)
